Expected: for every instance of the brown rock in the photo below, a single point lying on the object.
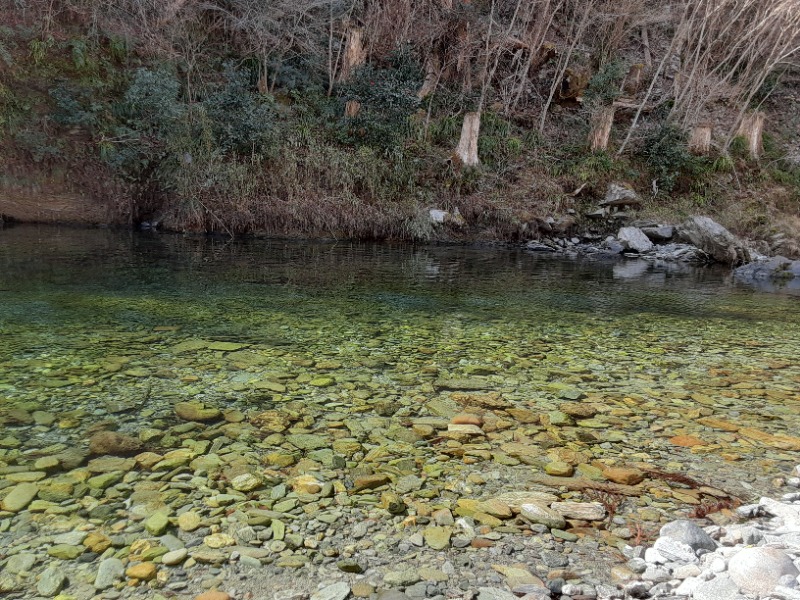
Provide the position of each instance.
(467, 419)
(143, 571)
(196, 411)
(490, 400)
(370, 482)
(523, 415)
(686, 441)
(624, 475)
(481, 543)
(97, 542)
(780, 441)
(578, 409)
(271, 420)
(213, 595)
(113, 443)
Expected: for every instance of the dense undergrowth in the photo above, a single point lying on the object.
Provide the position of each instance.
(207, 145)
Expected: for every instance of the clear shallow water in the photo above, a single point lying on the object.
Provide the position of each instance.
(95, 324)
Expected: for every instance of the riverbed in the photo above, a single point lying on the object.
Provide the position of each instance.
(300, 388)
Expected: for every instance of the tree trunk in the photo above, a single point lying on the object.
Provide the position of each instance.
(467, 149)
(600, 133)
(432, 69)
(752, 130)
(354, 54)
(352, 108)
(700, 140)
(633, 80)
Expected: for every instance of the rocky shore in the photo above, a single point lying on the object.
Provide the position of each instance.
(293, 503)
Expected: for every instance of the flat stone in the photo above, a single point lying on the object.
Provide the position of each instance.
(758, 570)
(488, 593)
(437, 538)
(402, 577)
(109, 572)
(65, 551)
(174, 557)
(20, 563)
(538, 513)
(219, 540)
(114, 443)
(623, 475)
(51, 582)
(246, 482)
(369, 482)
(157, 523)
(19, 497)
(196, 411)
(213, 595)
(337, 591)
(308, 441)
(143, 571)
(189, 521)
(559, 469)
(585, 511)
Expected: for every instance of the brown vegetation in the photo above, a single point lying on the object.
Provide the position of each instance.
(534, 87)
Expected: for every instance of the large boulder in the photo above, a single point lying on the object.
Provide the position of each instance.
(633, 239)
(716, 241)
(775, 273)
(619, 195)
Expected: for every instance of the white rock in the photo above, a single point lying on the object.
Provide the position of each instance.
(788, 512)
(719, 588)
(688, 586)
(688, 533)
(686, 571)
(758, 570)
(674, 550)
(337, 591)
(632, 238)
(537, 513)
(652, 555)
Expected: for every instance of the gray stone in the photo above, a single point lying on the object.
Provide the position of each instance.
(719, 588)
(19, 497)
(585, 511)
(337, 591)
(51, 581)
(392, 595)
(714, 240)
(759, 570)
(174, 557)
(620, 195)
(488, 593)
(777, 272)
(402, 578)
(688, 533)
(660, 233)
(109, 571)
(20, 563)
(538, 513)
(632, 238)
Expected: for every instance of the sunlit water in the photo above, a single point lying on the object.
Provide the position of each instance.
(93, 325)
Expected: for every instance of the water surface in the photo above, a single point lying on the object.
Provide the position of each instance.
(99, 323)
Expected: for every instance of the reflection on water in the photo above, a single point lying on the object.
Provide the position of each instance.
(645, 340)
